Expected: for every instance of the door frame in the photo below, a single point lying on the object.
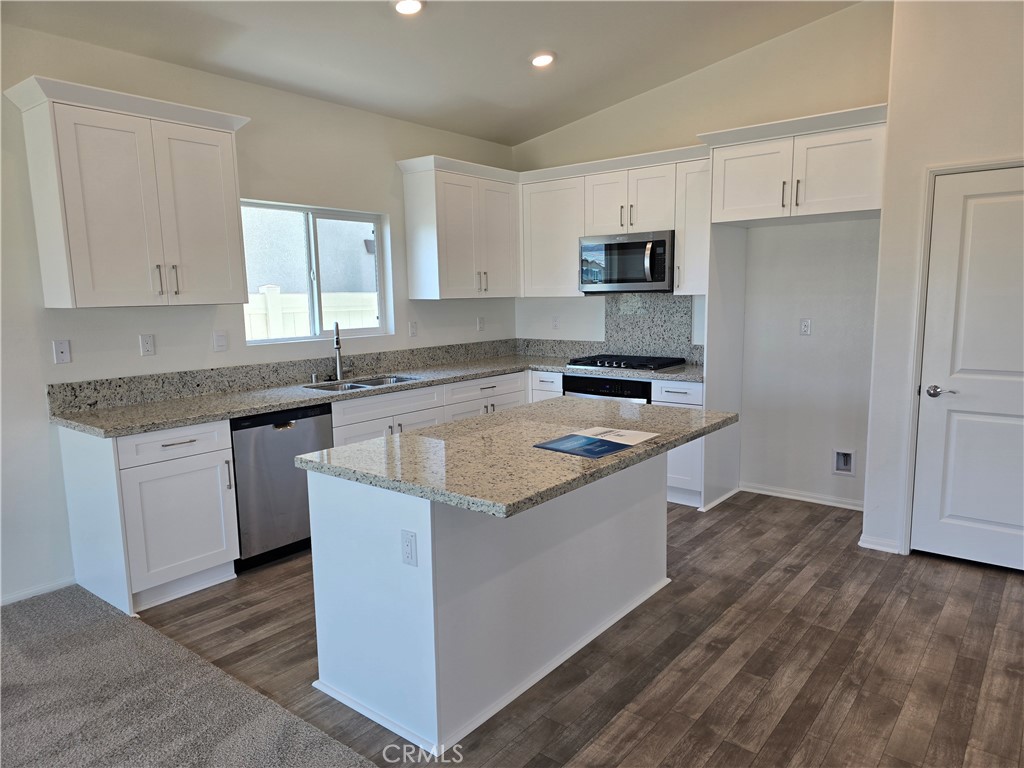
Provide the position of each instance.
(934, 172)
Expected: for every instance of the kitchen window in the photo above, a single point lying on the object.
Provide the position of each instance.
(309, 268)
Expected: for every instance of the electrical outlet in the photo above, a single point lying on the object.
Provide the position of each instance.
(61, 351)
(805, 326)
(555, 323)
(409, 549)
(220, 341)
(147, 344)
(480, 323)
(413, 328)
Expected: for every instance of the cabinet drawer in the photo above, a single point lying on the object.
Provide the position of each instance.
(492, 386)
(384, 406)
(549, 382)
(136, 450)
(363, 430)
(682, 392)
(536, 395)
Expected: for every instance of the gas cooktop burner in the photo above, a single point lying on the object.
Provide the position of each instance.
(635, 362)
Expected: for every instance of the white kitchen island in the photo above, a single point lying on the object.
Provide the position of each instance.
(521, 557)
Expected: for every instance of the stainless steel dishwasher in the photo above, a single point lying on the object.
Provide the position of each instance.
(273, 508)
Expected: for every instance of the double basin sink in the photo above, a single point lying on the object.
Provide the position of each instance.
(347, 386)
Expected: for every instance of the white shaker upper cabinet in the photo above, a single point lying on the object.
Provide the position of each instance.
(635, 200)
(838, 170)
(552, 227)
(693, 227)
(752, 181)
(461, 236)
(199, 214)
(135, 200)
(826, 172)
(111, 209)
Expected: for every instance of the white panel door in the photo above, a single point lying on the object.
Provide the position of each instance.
(460, 277)
(552, 227)
(693, 227)
(466, 410)
(112, 207)
(364, 430)
(504, 402)
(686, 463)
(179, 517)
(605, 196)
(652, 199)
(969, 481)
(497, 242)
(751, 181)
(418, 419)
(838, 170)
(200, 214)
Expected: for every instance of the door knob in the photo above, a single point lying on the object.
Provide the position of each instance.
(935, 390)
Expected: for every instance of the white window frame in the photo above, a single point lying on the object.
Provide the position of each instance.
(312, 214)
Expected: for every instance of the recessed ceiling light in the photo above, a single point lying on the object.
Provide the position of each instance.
(408, 7)
(542, 59)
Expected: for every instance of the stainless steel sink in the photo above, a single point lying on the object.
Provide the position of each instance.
(383, 381)
(338, 386)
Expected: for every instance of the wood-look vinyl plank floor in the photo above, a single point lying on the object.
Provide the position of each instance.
(779, 642)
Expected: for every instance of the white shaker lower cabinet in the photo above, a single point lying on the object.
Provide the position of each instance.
(152, 516)
(179, 517)
(685, 463)
(484, 406)
(389, 425)
(545, 386)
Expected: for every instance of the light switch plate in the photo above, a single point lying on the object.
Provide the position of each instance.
(220, 341)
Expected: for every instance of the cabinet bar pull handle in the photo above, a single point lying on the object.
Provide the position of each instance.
(492, 407)
(493, 386)
(783, 194)
(160, 277)
(479, 282)
(182, 442)
(485, 408)
(487, 283)
(227, 463)
(399, 427)
(622, 213)
(631, 214)
(546, 381)
(796, 194)
(677, 391)
(678, 268)
(391, 430)
(177, 280)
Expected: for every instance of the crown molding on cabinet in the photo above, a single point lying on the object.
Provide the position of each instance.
(39, 90)
(847, 118)
(438, 163)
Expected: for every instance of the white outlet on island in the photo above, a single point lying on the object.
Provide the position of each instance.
(220, 341)
(147, 344)
(480, 323)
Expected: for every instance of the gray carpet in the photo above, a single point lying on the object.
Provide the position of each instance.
(85, 685)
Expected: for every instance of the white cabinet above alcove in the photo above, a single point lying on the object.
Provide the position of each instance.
(135, 199)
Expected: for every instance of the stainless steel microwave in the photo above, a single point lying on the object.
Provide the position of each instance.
(639, 261)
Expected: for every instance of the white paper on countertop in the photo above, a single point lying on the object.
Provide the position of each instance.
(623, 436)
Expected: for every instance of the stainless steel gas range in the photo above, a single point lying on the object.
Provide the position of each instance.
(598, 387)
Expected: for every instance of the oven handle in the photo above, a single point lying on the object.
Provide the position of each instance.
(647, 261)
(637, 400)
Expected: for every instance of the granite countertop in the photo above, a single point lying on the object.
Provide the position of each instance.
(488, 463)
(185, 411)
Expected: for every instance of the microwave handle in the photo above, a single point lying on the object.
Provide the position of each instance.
(647, 261)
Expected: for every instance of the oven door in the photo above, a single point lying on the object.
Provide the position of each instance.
(599, 388)
(637, 400)
(618, 263)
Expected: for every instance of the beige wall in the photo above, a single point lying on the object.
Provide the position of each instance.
(295, 149)
(838, 62)
(956, 97)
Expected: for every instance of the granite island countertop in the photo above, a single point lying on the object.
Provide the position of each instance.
(186, 411)
(489, 463)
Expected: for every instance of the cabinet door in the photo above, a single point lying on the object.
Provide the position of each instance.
(552, 227)
(466, 410)
(497, 242)
(686, 463)
(364, 430)
(460, 276)
(751, 181)
(488, 387)
(417, 419)
(605, 197)
(111, 205)
(652, 199)
(838, 170)
(200, 214)
(536, 395)
(693, 227)
(504, 402)
(179, 517)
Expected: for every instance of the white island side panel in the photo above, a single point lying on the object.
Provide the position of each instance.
(518, 596)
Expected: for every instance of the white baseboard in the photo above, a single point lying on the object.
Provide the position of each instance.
(882, 545)
(815, 498)
(186, 585)
(684, 496)
(42, 589)
(724, 497)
